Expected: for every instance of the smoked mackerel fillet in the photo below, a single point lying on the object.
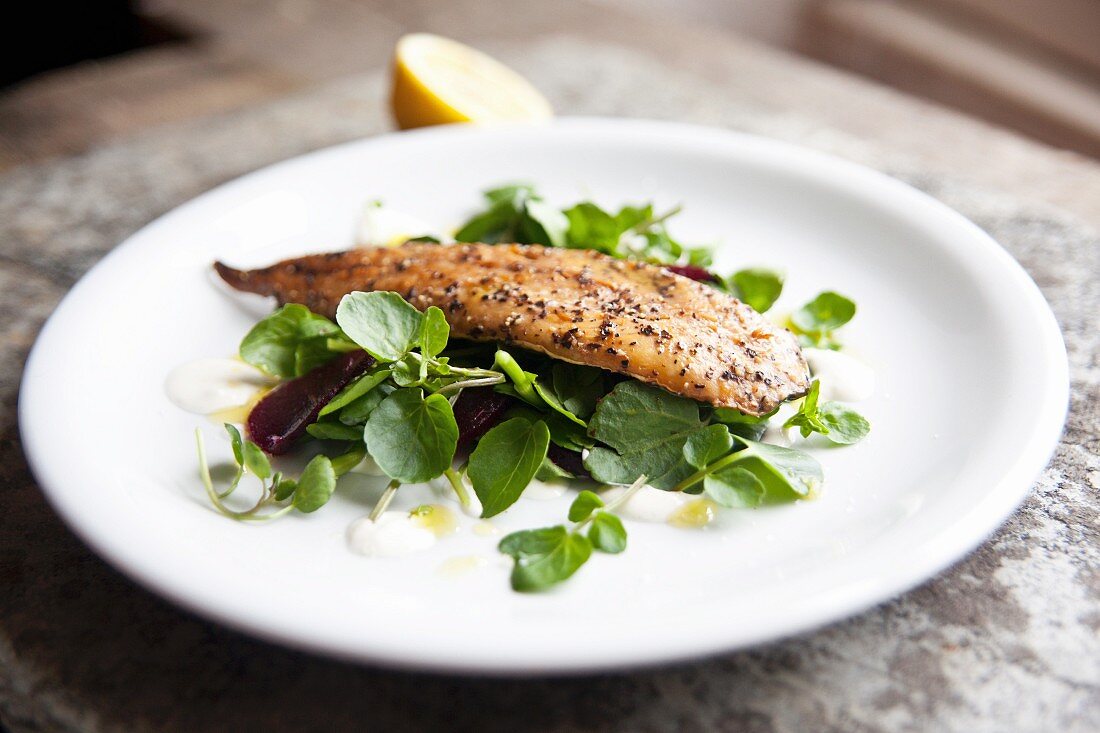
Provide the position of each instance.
(576, 305)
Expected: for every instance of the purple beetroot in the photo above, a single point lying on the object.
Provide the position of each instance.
(281, 417)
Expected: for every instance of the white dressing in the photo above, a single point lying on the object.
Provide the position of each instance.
(843, 377)
(391, 535)
(380, 225)
(648, 504)
(544, 490)
(207, 386)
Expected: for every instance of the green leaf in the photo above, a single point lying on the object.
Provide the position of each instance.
(551, 400)
(434, 332)
(846, 426)
(806, 419)
(758, 287)
(383, 323)
(357, 412)
(607, 533)
(746, 426)
(255, 460)
(583, 506)
(821, 316)
(550, 471)
(315, 485)
(273, 344)
(355, 390)
(707, 445)
(734, 487)
(578, 388)
(488, 225)
(411, 438)
(544, 557)
(543, 224)
(285, 488)
(646, 428)
(785, 472)
(344, 462)
(590, 227)
(511, 192)
(504, 462)
(236, 441)
(334, 431)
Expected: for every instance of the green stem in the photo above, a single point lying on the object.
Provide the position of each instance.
(215, 498)
(459, 487)
(384, 500)
(634, 488)
(702, 472)
(640, 227)
(465, 383)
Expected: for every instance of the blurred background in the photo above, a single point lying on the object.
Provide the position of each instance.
(114, 67)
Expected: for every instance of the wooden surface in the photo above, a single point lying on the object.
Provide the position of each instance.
(1007, 640)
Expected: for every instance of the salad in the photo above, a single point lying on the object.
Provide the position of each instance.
(388, 385)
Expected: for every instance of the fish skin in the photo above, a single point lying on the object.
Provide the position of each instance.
(577, 305)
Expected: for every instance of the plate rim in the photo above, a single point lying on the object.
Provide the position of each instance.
(956, 541)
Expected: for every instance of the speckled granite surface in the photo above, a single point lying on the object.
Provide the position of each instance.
(1007, 640)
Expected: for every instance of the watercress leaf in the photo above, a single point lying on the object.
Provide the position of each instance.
(315, 485)
(607, 533)
(255, 460)
(355, 390)
(758, 287)
(434, 333)
(513, 193)
(544, 557)
(550, 471)
(334, 431)
(412, 438)
(645, 428)
(504, 462)
(312, 353)
(785, 472)
(826, 312)
(629, 217)
(746, 426)
(383, 323)
(358, 411)
(236, 441)
(551, 400)
(406, 372)
(734, 487)
(344, 462)
(543, 224)
(590, 227)
(707, 445)
(807, 419)
(284, 488)
(577, 387)
(488, 225)
(585, 503)
(272, 344)
(846, 426)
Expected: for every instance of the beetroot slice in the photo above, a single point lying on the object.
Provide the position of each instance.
(694, 272)
(569, 460)
(476, 411)
(282, 416)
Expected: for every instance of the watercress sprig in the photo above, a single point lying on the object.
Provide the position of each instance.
(547, 556)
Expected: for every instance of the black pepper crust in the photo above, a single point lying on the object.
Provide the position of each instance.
(576, 305)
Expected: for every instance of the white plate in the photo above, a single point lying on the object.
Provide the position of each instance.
(972, 391)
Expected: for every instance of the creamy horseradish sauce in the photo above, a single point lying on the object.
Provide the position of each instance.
(401, 533)
(212, 386)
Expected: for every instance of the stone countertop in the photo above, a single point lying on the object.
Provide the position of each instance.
(1009, 639)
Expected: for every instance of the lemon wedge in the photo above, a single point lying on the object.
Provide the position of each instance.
(437, 81)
